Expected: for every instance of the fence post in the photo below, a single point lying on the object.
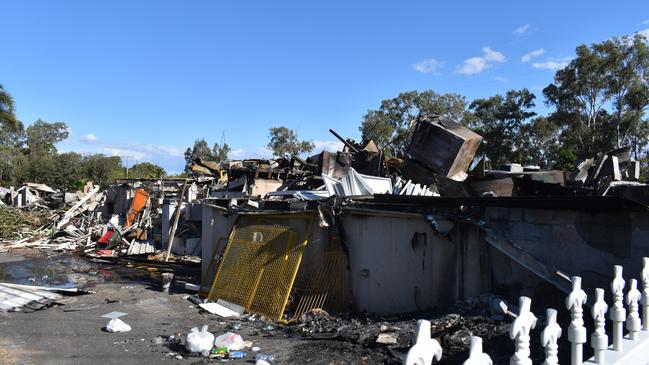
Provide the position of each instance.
(645, 293)
(549, 338)
(476, 356)
(599, 339)
(520, 331)
(576, 332)
(618, 313)
(633, 324)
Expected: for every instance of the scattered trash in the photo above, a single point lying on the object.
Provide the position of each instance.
(113, 315)
(218, 309)
(117, 325)
(236, 355)
(167, 278)
(267, 359)
(387, 338)
(231, 341)
(199, 341)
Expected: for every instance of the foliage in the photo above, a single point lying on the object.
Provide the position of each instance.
(101, 169)
(7, 110)
(14, 221)
(42, 137)
(601, 96)
(146, 170)
(201, 149)
(501, 120)
(393, 122)
(284, 142)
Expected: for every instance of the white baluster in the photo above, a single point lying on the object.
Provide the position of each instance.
(645, 293)
(520, 332)
(599, 339)
(618, 313)
(476, 356)
(549, 338)
(633, 324)
(576, 332)
(425, 349)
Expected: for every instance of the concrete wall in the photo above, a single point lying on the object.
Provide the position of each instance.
(575, 242)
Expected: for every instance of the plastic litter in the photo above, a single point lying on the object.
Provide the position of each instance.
(219, 352)
(230, 340)
(199, 341)
(237, 355)
(262, 362)
(117, 325)
(264, 359)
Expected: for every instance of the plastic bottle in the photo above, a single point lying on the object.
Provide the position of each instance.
(265, 357)
(237, 355)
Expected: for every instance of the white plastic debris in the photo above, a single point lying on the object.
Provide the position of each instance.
(230, 340)
(117, 325)
(199, 341)
(218, 309)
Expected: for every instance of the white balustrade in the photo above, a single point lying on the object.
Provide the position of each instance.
(630, 350)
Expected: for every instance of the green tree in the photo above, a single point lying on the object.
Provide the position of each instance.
(200, 150)
(13, 164)
(146, 170)
(539, 140)
(102, 170)
(501, 120)
(68, 171)
(7, 110)
(284, 141)
(220, 152)
(393, 122)
(42, 137)
(601, 96)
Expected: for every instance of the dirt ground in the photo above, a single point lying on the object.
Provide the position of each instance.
(72, 333)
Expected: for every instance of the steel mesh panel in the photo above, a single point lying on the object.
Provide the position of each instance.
(259, 265)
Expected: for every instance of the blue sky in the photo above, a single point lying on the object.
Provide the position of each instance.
(144, 79)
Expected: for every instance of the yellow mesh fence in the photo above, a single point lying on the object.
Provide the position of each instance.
(326, 287)
(260, 263)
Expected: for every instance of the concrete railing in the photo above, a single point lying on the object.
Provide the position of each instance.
(629, 349)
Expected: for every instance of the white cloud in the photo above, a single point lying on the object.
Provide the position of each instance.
(331, 146)
(532, 54)
(552, 63)
(125, 154)
(645, 33)
(429, 65)
(500, 79)
(236, 153)
(476, 65)
(491, 55)
(522, 29)
(89, 138)
(645, 21)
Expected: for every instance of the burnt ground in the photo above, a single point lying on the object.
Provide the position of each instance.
(72, 333)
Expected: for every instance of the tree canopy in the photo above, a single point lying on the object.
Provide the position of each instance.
(7, 110)
(284, 142)
(393, 122)
(201, 149)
